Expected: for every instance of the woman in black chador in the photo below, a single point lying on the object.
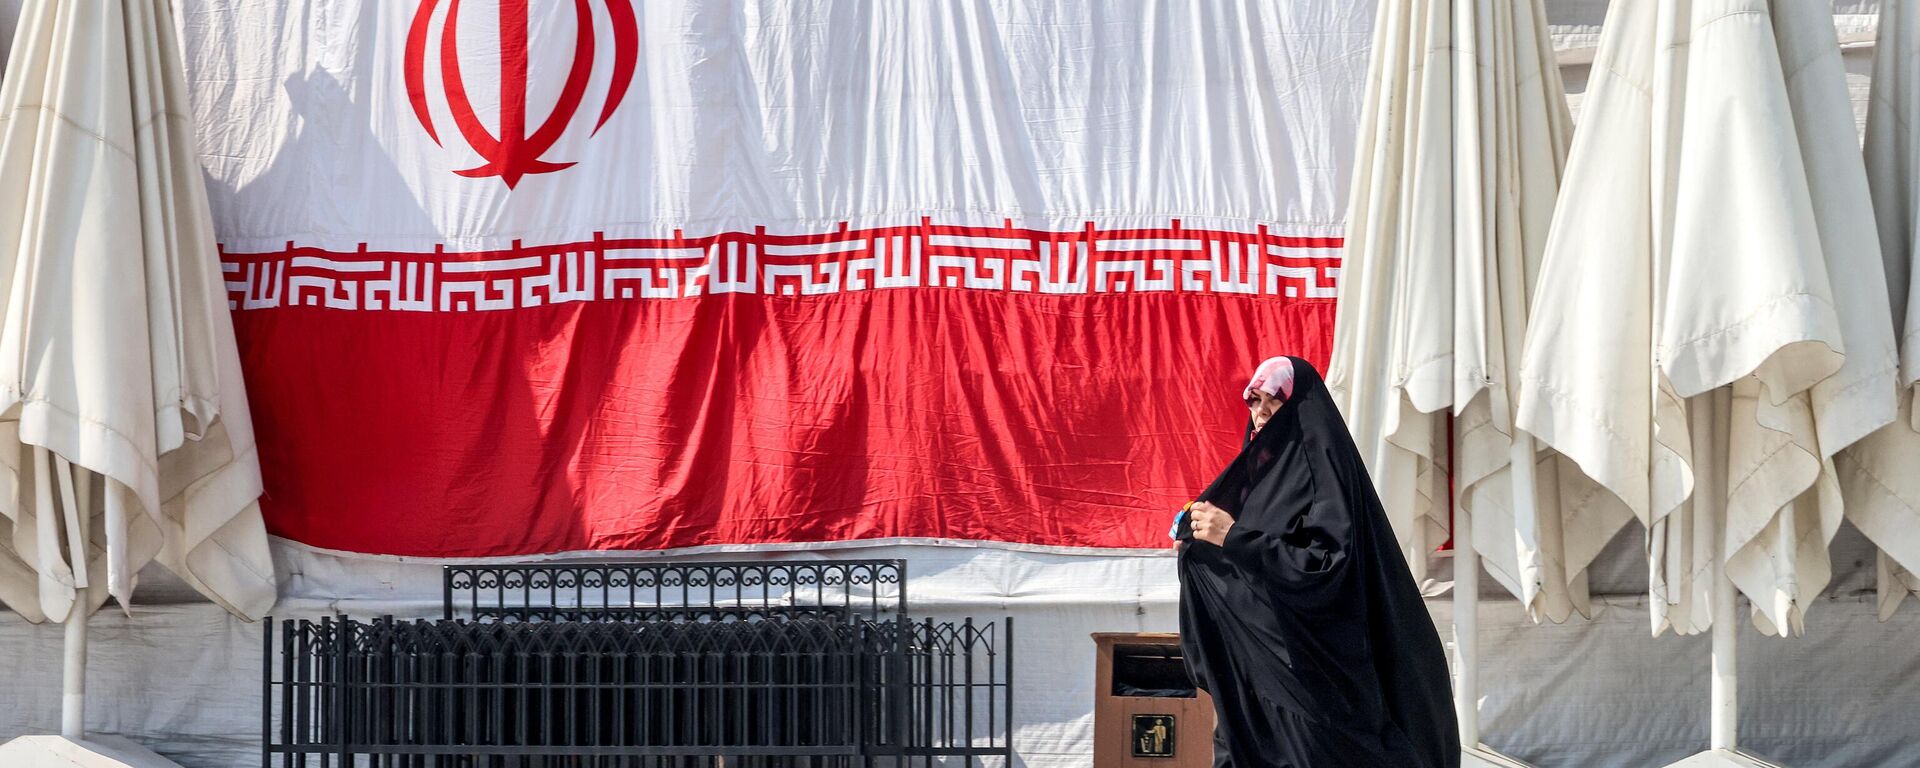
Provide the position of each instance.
(1297, 611)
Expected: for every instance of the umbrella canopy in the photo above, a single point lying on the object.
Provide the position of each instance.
(1514, 134)
(1464, 136)
(1882, 490)
(1687, 306)
(124, 433)
(1389, 371)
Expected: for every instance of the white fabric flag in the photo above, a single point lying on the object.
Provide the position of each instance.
(1699, 160)
(1878, 475)
(125, 436)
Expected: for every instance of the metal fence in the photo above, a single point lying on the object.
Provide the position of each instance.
(957, 697)
(597, 591)
(653, 681)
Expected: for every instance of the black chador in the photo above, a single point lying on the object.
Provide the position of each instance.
(1307, 627)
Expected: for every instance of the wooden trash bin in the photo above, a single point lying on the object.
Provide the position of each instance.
(1146, 712)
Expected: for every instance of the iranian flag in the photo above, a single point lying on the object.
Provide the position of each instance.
(517, 277)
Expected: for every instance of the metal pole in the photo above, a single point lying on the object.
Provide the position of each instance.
(340, 640)
(73, 698)
(1465, 107)
(1726, 681)
(1710, 499)
(266, 697)
(49, 470)
(1009, 698)
(1466, 628)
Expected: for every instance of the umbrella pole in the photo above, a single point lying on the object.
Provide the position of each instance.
(1725, 717)
(1466, 629)
(73, 699)
(1711, 422)
(1710, 416)
(1466, 617)
(72, 747)
(1724, 714)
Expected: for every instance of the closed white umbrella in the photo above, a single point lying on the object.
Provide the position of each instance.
(124, 433)
(1692, 359)
(1465, 131)
(1394, 327)
(1512, 147)
(1781, 561)
(1459, 165)
(1881, 487)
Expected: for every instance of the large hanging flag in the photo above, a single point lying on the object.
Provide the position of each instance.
(513, 277)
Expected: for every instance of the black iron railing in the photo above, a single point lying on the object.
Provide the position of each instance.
(653, 681)
(958, 696)
(670, 590)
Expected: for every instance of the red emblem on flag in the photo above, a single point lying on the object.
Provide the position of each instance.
(516, 152)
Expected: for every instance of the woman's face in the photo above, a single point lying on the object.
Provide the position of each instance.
(1262, 407)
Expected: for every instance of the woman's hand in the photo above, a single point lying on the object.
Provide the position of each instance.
(1210, 523)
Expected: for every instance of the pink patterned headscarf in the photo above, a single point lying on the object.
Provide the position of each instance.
(1274, 377)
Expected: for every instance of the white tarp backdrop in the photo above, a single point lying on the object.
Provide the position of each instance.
(182, 676)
